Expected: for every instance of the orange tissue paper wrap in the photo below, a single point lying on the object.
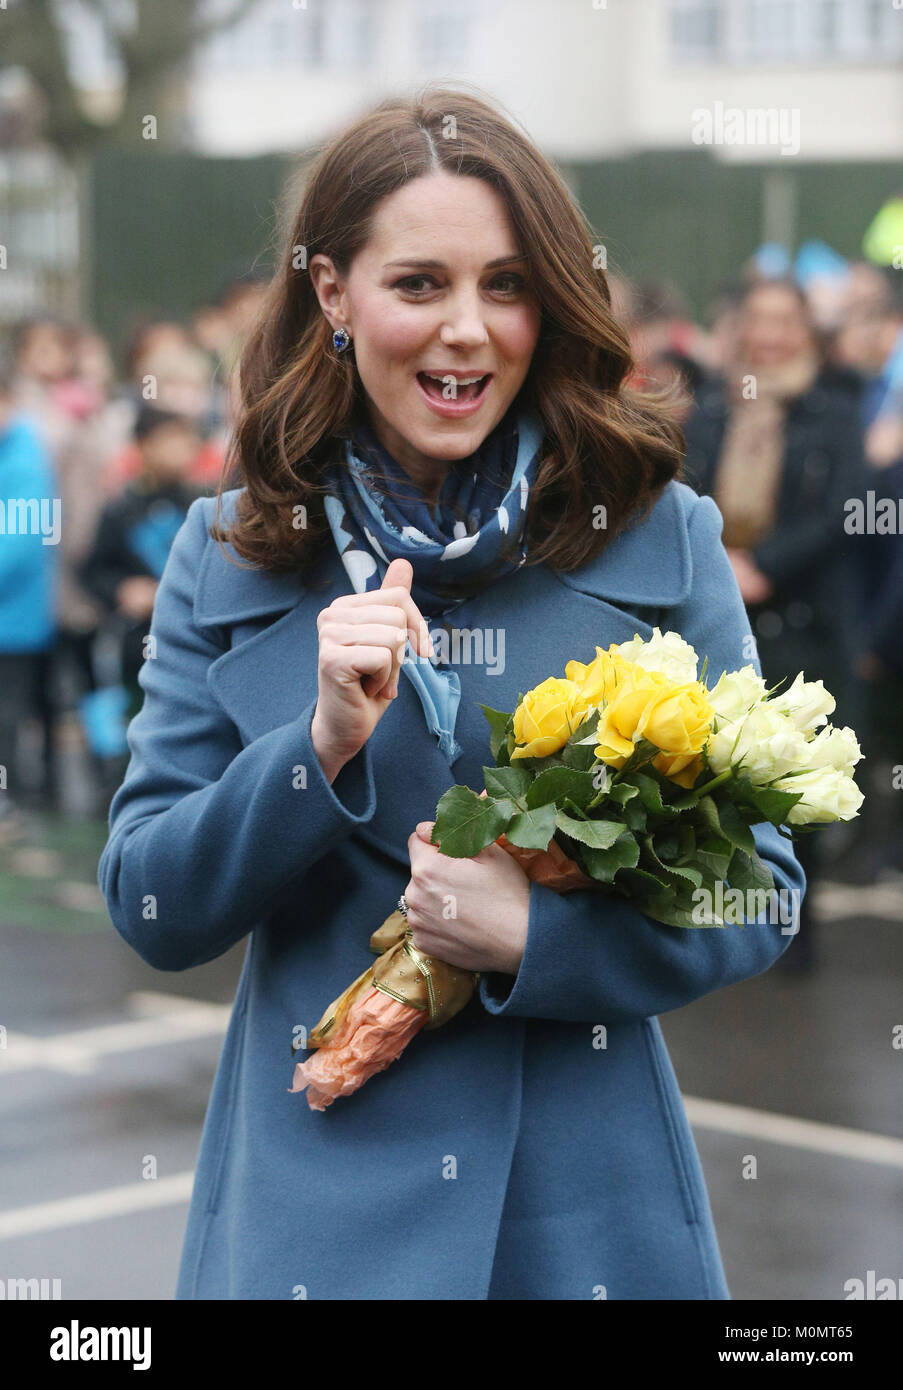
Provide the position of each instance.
(371, 1023)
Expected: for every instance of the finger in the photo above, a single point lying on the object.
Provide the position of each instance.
(368, 635)
(400, 598)
(418, 849)
(350, 664)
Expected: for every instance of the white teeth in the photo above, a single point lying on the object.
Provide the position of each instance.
(461, 381)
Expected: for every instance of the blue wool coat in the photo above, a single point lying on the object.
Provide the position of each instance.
(507, 1154)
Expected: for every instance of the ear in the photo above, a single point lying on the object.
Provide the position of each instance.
(330, 290)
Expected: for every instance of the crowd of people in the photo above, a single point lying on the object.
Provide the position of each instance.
(125, 454)
(792, 405)
(792, 408)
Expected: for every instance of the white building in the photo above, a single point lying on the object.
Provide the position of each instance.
(586, 77)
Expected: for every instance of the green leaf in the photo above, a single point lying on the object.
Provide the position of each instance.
(748, 871)
(635, 814)
(715, 853)
(734, 827)
(707, 813)
(686, 841)
(603, 864)
(512, 781)
(651, 795)
(667, 844)
(555, 783)
(679, 875)
(771, 804)
(579, 755)
(498, 728)
(466, 823)
(643, 884)
(678, 915)
(598, 834)
(584, 730)
(532, 829)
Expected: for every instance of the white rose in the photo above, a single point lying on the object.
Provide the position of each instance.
(668, 653)
(836, 748)
(765, 742)
(807, 703)
(828, 795)
(735, 693)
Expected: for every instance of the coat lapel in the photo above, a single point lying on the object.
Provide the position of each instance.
(535, 619)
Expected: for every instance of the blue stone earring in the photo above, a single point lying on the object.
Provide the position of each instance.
(340, 339)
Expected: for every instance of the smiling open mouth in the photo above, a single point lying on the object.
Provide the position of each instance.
(442, 389)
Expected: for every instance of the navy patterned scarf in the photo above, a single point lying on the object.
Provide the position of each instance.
(474, 534)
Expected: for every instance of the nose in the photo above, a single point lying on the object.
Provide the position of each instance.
(464, 325)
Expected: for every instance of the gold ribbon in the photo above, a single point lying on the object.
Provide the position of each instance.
(405, 974)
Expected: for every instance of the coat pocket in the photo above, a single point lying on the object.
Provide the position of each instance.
(673, 1118)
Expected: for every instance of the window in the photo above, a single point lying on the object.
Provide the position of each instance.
(785, 31)
(695, 29)
(276, 36)
(443, 32)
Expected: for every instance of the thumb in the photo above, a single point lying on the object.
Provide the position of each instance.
(399, 571)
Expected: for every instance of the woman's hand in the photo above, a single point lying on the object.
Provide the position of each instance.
(754, 586)
(468, 912)
(362, 645)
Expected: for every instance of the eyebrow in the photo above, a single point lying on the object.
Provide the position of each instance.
(440, 265)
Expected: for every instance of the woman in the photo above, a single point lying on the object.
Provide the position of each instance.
(778, 446)
(287, 765)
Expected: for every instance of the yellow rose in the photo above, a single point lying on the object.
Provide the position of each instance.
(546, 717)
(599, 678)
(677, 718)
(673, 766)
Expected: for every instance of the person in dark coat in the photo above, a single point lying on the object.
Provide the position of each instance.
(136, 530)
(778, 445)
(870, 342)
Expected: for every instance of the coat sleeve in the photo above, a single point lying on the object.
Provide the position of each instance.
(593, 958)
(205, 834)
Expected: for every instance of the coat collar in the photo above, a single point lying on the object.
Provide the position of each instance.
(647, 565)
(269, 676)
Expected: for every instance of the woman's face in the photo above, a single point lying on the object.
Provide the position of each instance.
(773, 328)
(46, 354)
(440, 288)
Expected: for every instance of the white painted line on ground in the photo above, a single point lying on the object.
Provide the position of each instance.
(168, 1019)
(832, 1140)
(96, 1206)
(843, 900)
(835, 1140)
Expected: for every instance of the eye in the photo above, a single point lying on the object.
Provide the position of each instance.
(409, 281)
(517, 281)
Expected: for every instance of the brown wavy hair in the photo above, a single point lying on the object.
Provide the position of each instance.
(605, 443)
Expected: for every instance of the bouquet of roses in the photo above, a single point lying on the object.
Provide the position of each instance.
(627, 775)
